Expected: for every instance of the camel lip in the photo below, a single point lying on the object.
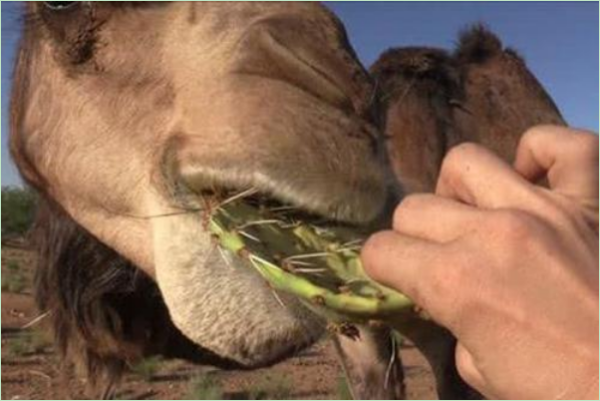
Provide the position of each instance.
(274, 203)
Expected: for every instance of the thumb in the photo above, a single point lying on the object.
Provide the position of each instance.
(568, 157)
(569, 160)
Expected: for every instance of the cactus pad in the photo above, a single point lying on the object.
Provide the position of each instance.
(315, 260)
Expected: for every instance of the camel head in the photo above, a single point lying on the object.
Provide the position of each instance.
(125, 114)
(433, 99)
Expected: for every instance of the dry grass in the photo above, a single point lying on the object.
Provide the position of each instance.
(343, 390)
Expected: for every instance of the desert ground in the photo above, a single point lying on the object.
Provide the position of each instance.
(32, 370)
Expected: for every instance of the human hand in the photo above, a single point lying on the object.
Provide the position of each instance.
(509, 267)
(569, 160)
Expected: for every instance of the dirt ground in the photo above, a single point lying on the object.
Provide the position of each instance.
(31, 370)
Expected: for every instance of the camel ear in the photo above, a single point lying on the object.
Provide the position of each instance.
(476, 45)
(416, 87)
(501, 96)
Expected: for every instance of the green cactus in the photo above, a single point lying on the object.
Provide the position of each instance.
(314, 260)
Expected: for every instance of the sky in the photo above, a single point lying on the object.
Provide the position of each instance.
(559, 40)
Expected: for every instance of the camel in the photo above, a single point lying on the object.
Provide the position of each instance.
(124, 114)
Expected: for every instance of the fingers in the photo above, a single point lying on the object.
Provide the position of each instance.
(412, 266)
(476, 176)
(568, 157)
(397, 261)
(434, 218)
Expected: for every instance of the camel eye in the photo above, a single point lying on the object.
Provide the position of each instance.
(59, 5)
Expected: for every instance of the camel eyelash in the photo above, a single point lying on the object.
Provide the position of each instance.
(74, 30)
(34, 17)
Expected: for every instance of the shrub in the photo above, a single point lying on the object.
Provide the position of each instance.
(28, 343)
(13, 280)
(271, 387)
(18, 210)
(147, 368)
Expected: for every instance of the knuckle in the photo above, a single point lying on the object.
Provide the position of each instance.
(517, 229)
(537, 131)
(546, 210)
(465, 148)
(443, 292)
(581, 142)
(371, 251)
(512, 223)
(560, 215)
(448, 277)
(549, 209)
(457, 157)
(585, 145)
(408, 206)
(443, 284)
(465, 371)
(413, 201)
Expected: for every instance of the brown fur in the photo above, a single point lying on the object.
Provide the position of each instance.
(477, 44)
(433, 100)
(417, 85)
(502, 98)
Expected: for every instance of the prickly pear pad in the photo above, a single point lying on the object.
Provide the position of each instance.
(313, 260)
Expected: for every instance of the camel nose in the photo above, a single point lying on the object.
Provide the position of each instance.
(316, 59)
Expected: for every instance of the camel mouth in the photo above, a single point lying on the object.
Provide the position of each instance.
(296, 210)
(255, 325)
(336, 189)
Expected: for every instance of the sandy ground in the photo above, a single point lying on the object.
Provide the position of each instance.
(31, 369)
